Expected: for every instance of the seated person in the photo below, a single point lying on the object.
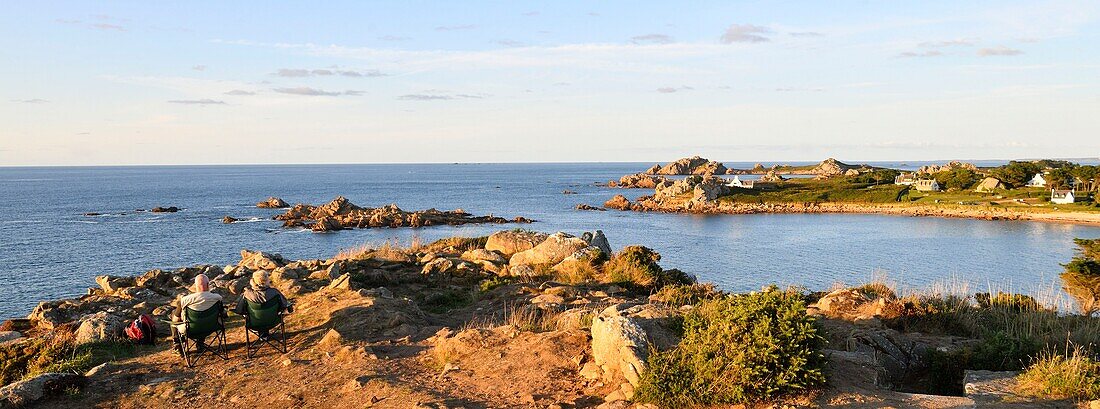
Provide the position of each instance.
(260, 291)
(200, 299)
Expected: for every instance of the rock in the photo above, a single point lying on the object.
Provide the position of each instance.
(229, 220)
(584, 206)
(653, 169)
(258, 260)
(568, 192)
(343, 282)
(510, 242)
(599, 240)
(6, 336)
(623, 335)
(272, 203)
(694, 165)
(590, 371)
(169, 209)
(709, 189)
(548, 299)
(991, 387)
(341, 214)
(551, 251)
(619, 202)
(854, 304)
(110, 284)
(831, 167)
(100, 326)
(476, 255)
(520, 271)
(438, 266)
(639, 181)
(26, 392)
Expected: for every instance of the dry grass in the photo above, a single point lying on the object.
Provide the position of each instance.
(1072, 374)
(389, 250)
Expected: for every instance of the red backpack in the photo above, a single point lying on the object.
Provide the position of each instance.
(143, 330)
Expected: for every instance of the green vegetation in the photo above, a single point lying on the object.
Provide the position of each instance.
(445, 300)
(1016, 174)
(1073, 375)
(958, 179)
(738, 349)
(57, 352)
(686, 294)
(1082, 276)
(817, 191)
(638, 265)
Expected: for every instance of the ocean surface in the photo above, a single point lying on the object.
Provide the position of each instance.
(49, 249)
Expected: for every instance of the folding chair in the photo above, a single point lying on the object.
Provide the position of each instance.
(260, 319)
(198, 326)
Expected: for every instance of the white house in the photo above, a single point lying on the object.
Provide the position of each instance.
(1037, 181)
(927, 185)
(737, 182)
(1062, 196)
(906, 179)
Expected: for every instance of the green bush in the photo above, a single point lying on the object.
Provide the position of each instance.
(738, 349)
(1081, 278)
(685, 294)
(1014, 302)
(638, 265)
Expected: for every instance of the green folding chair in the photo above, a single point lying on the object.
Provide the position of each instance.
(264, 318)
(198, 327)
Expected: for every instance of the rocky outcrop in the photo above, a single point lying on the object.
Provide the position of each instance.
(509, 242)
(258, 260)
(831, 167)
(694, 165)
(771, 176)
(619, 202)
(598, 240)
(272, 203)
(949, 166)
(700, 188)
(26, 392)
(168, 209)
(637, 181)
(551, 251)
(229, 220)
(341, 214)
(585, 206)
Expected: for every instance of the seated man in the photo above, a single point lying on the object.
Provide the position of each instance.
(260, 291)
(200, 299)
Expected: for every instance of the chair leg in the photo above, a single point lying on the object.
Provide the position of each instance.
(248, 343)
(282, 335)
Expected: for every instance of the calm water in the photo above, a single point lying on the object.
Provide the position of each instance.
(49, 250)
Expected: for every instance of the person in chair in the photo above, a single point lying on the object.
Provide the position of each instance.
(260, 291)
(200, 299)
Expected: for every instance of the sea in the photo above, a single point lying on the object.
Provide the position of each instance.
(51, 249)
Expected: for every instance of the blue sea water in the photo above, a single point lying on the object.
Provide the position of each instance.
(49, 249)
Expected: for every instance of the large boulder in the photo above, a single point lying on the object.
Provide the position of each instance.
(709, 189)
(258, 260)
(624, 334)
(551, 251)
(510, 242)
(598, 240)
(272, 203)
(100, 326)
(619, 202)
(26, 392)
(110, 284)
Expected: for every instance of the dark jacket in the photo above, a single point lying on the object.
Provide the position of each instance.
(260, 296)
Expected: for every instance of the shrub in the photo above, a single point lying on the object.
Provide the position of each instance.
(638, 265)
(56, 352)
(1013, 302)
(1074, 375)
(738, 349)
(1081, 278)
(685, 294)
(446, 300)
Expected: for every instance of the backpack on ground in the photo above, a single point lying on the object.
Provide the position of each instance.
(142, 331)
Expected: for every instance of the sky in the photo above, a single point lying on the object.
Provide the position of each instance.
(242, 82)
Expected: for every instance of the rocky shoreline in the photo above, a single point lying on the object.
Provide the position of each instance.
(514, 319)
(341, 214)
(651, 204)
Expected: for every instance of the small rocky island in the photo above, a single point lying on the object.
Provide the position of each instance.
(340, 214)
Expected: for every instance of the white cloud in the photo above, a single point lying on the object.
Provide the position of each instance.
(999, 51)
(746, 33)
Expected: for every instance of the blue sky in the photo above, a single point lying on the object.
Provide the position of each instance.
(86, 83)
